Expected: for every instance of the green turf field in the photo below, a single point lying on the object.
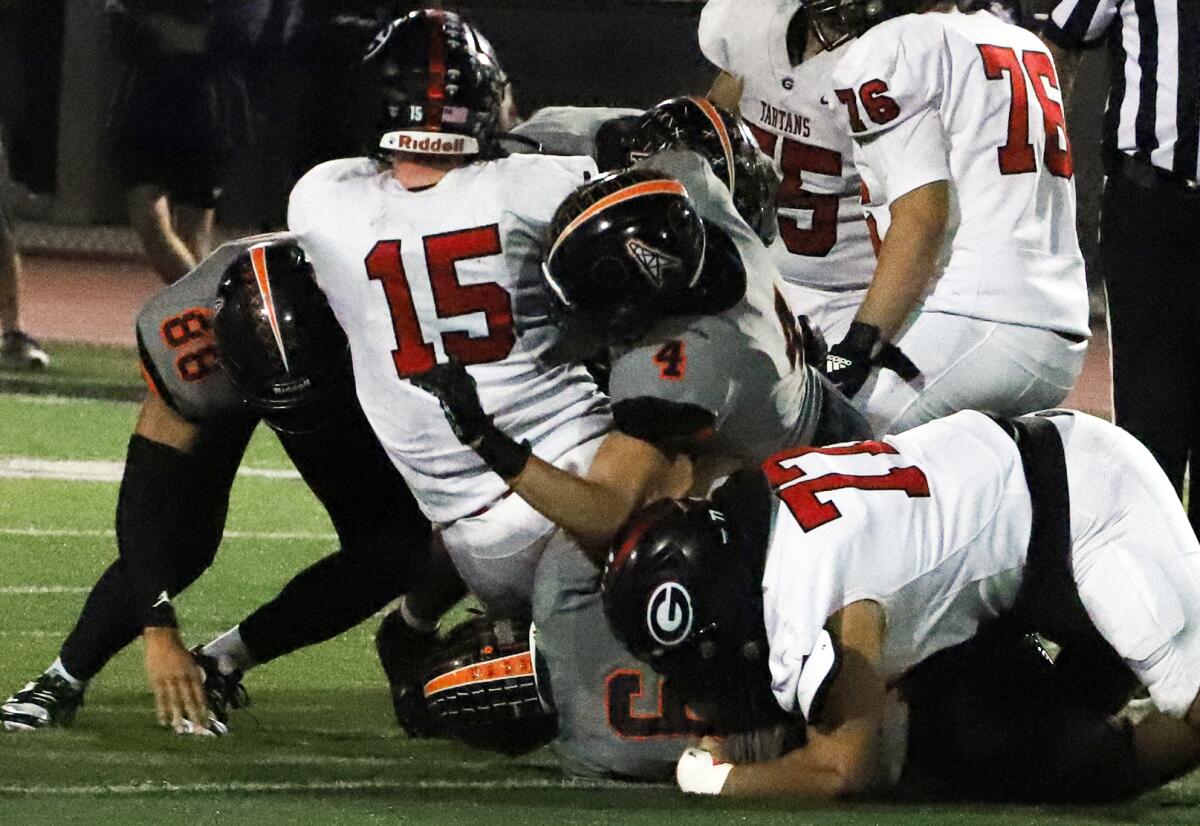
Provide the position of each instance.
(318, 745)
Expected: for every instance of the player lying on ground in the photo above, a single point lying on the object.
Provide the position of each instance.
(870, 558)
(988, 719)
(658, 265)
(284, 359)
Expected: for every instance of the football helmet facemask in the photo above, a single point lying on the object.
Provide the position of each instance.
(277, 339)
(722, 139)
(441, 83)
(623, 246)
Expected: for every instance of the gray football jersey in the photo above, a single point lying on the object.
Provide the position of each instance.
(614, 718)
(175, 340)
(567, 130)
(745, 366)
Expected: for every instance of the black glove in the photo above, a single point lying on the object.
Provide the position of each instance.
(455, 389)
(850, 361)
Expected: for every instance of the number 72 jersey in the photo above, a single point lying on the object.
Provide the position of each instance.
(933, 524)
(452, 271)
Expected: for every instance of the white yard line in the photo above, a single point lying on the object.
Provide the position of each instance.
(43, 589)
(71, 470)
(100, 533)
(318, 786)
(51, 400)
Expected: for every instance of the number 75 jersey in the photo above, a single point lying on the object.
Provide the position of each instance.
(452, 271)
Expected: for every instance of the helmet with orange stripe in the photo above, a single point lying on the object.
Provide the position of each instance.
(725, 142)
(481, 687)
(277, 339)
(626, 247)
(441, 82)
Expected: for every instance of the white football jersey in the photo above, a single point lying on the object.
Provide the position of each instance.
(969, 99)
(416, 277)
(932, 524)
(824, 240)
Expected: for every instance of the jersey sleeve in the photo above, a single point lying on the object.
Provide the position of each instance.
(675, 385)
(910, 156)
(176, 345)
(1078, 24)
(889, 76)
(735, 34)
(569, 130)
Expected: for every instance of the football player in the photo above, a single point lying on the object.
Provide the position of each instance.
(269, 348)
(860, 561)
(967, 175)
(433, 253)
(706, 359)
(775, 65)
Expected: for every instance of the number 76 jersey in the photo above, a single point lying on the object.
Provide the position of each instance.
(451, 271)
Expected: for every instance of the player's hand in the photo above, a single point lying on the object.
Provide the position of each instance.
(455, 389)
(848, 363)
(698, 772)
(176, 680)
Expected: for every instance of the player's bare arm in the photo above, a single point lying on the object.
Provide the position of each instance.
(726, 91)
(625, 474)
(907, 259)
(176, 681)
(841, 757)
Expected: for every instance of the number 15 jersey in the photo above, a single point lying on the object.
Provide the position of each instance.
(453, 270)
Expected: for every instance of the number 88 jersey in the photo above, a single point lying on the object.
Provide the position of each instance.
(451, 271)
(824, 242)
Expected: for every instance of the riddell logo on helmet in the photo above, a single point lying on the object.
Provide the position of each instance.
(429, 143)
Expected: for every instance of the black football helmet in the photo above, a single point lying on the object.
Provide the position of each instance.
(441, 83)
(481, 687)
(835, 22)
(623, 247)
(682, 591)
(725, 141)
(277, 339)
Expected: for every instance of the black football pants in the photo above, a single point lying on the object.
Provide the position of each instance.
(1149, 239)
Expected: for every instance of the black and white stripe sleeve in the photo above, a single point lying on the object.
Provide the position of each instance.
(1076, 24)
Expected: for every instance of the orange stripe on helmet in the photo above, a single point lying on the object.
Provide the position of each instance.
(638, 190)
(718, 122)
(258, 262)
(514, 665)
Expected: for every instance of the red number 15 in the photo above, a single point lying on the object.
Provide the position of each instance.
(413, 354)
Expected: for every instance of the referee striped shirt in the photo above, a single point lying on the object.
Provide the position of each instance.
(1154, 62)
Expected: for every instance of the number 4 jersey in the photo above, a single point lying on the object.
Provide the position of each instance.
(450, 271)
(969, 99)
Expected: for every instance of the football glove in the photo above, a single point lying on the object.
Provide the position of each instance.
(454, 388)
(851, 360)
(697, 772)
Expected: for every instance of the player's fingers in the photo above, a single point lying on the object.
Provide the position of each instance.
(173, 705)
(160, 703)
(197, 705)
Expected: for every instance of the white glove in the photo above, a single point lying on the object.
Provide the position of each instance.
(698, 773)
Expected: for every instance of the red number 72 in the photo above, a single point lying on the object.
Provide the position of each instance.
(801, 497)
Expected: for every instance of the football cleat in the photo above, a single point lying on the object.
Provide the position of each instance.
(21, 352)
(403, 652)
(223, 691)
(50, 700)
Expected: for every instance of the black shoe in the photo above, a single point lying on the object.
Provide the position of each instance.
(403, 650)
(19, 351)
(47, 701)
(223, 691)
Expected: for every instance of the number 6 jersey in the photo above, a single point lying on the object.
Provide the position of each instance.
(449, 271)
(974, 101)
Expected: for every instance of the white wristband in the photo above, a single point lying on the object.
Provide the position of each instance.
(698, 773)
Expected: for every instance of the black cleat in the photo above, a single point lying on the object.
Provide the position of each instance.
(402, 652)
(223, 691)
(47, 701)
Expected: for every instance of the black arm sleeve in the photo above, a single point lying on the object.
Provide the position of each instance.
(171, 514)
